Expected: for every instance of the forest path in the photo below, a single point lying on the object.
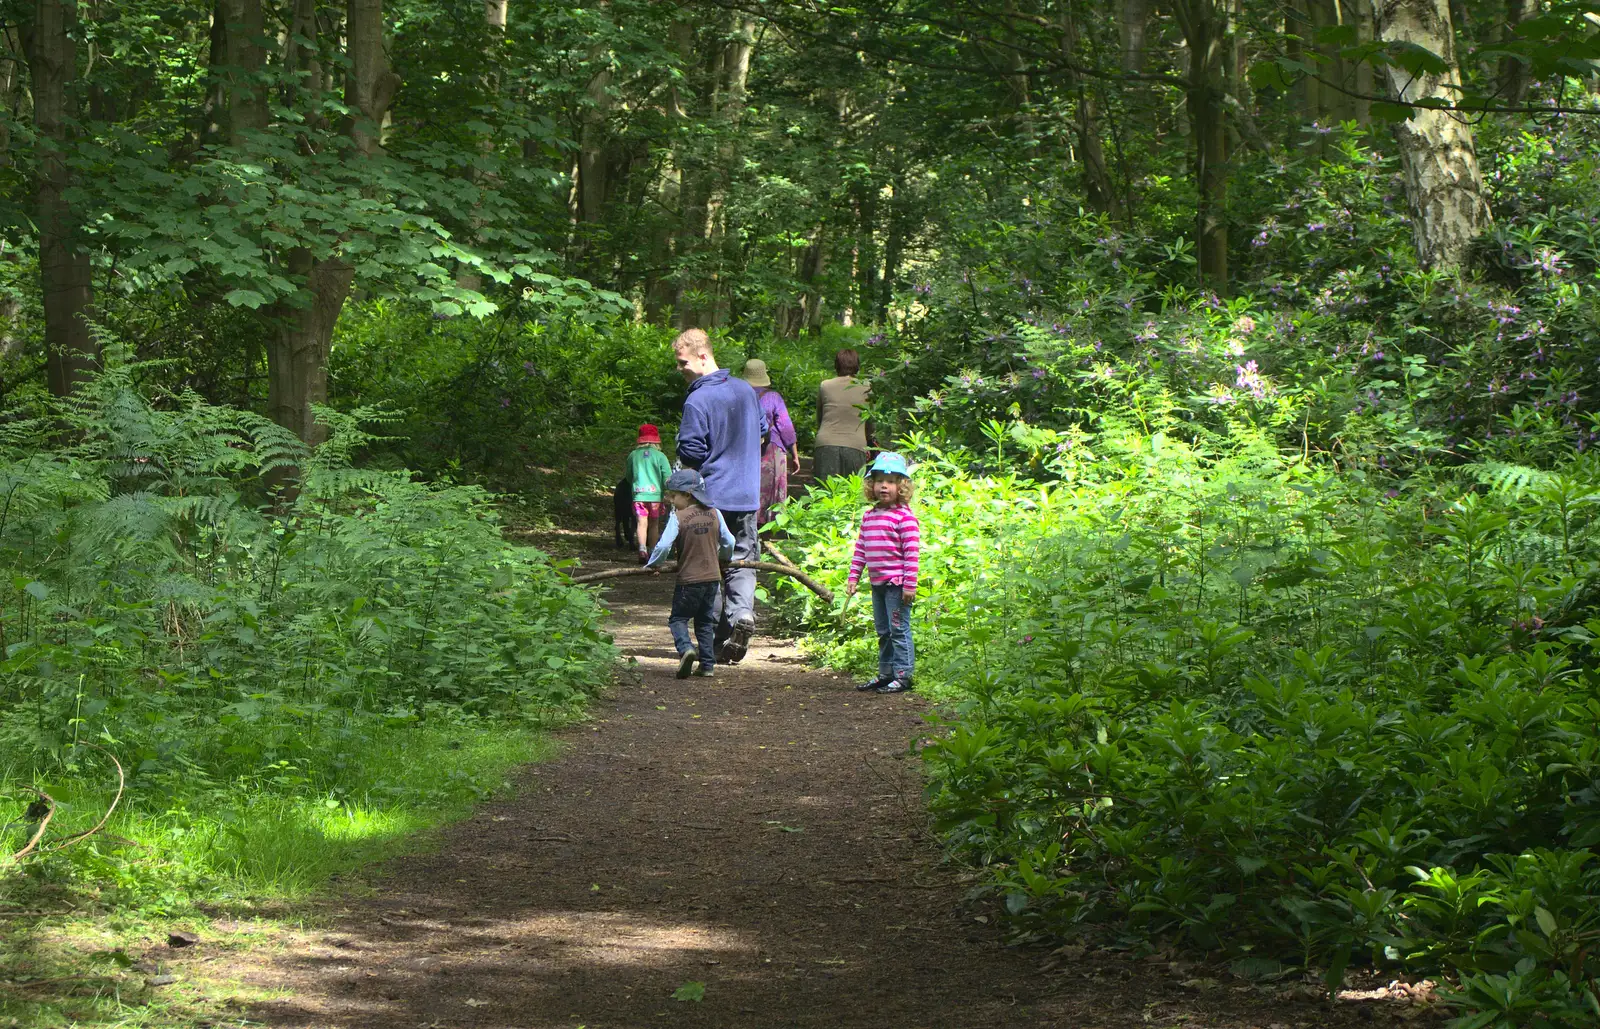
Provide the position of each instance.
(760, 832)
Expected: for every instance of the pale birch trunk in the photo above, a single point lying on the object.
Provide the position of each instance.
(1444, 188)
(1133, 19)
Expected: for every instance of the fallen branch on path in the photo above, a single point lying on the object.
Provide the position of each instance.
(760, 566)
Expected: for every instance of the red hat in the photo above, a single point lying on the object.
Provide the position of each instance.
(649, 433)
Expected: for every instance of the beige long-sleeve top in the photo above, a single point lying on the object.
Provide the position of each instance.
(841, 415)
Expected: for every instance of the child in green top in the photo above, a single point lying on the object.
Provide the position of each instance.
(648, 470)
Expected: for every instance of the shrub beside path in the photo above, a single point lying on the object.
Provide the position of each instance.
(759, 837)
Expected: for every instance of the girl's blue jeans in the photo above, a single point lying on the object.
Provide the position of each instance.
(891, 616)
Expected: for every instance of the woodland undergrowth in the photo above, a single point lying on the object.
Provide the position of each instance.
(1265, 626)
(290, 684)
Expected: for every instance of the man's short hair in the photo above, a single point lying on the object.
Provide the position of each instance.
(693, 341)
(846, 362)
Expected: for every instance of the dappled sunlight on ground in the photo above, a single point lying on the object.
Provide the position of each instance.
(759, 836)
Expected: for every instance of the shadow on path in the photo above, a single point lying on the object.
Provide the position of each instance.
(760, 833)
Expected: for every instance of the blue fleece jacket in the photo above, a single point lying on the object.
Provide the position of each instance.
(721, 436)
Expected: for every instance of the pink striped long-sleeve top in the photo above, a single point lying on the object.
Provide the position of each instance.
(888, 546)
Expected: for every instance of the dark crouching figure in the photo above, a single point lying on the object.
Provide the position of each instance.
(622, 513)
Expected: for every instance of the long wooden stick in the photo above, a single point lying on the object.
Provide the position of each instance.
(38, 832)
(772, 548)
(761, 566)
(122, 783)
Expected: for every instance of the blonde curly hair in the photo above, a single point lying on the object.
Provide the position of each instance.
(908, 489)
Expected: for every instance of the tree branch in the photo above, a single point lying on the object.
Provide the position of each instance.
(760, 566)
(38, 833)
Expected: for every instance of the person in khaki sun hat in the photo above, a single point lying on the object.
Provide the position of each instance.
(780, 456)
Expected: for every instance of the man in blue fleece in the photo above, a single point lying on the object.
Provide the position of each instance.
(720, 435)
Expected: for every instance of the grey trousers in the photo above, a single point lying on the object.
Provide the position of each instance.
(739, 584)
(831, 461)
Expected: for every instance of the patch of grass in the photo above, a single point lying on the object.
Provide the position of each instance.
(74, 926)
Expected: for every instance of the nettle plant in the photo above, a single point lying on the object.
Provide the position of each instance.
(1204, 693)
(1266, 724)
(155, 598)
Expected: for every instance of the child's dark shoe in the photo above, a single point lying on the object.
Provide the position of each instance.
(686, 664)
(705, 672)
(872, 685)
(895, 686)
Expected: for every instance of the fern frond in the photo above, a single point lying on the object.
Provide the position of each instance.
(1511, 479)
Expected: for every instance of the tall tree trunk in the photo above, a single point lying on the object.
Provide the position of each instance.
(297, 355)
(302, 60)
(1205, 30)
(741, 48)
(1511, 78)
(215, 107)
(592, 143)
(705, 191)
(1099, 189)
(812, 266)
(1132, 21)
(1019, 93)
(592, 184)
(1364, 18)
(494, 19)
(667, 229)
(893, 250)
(243, 56)
(10, 86)
(71, 352)
(695, 173)
(1444, 188)
(370, 85)
(866, 304)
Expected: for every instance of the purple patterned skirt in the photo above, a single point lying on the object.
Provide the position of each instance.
(774, 481)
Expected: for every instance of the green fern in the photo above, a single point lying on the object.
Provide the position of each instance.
(1513, 480)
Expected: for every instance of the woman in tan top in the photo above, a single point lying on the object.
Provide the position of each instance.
(842, 425)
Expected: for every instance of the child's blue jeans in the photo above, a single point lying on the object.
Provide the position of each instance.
(696, 600)
(891, 616)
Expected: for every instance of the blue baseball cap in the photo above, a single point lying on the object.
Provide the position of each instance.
(687, 480)
(889, 464)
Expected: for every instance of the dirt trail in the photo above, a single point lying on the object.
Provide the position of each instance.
(760, 833)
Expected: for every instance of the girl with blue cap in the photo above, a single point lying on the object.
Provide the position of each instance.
(887, 549)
